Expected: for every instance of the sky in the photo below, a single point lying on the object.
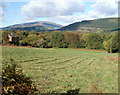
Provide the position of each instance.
(59, 11)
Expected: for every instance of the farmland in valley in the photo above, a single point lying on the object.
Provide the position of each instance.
(61, 70)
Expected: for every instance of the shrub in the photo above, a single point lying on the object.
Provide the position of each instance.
(14, 81)
(73, 92)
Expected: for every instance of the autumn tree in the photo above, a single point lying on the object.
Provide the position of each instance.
(71, 38)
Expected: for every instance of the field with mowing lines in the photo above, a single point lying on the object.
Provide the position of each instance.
(65, 69)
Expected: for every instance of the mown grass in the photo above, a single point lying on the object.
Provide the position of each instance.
(61, 70)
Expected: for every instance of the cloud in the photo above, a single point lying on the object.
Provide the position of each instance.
(63, 10)
(106, 8)
(69, 18)
(99, 10)
(37, 9)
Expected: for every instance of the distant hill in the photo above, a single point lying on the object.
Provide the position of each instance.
(38, 26)
(97, 25)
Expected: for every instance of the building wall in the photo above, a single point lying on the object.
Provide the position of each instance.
(9, 38)
(13, 39)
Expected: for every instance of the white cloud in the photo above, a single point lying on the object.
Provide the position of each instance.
(99, 10)
(69, 19)
(63, 10)
(36, 9)
(106, 8)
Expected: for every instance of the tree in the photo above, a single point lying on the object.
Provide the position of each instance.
(71, 39)
(4, 38)
(30, 40)
(94, 41)
(41, 43)
(58, 40)
(111, 45)
(107, 45)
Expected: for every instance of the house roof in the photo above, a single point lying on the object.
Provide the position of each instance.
(13, 35)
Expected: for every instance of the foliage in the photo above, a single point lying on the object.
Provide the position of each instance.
(30, 40)
(111, 45)
(71, 38)
(107, 41)
(14, 81)
(58, 40)
(4, 38)
(94, 41)
(73, 92)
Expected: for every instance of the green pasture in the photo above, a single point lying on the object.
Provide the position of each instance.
(61, 70)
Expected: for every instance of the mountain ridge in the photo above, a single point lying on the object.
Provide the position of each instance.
(38, 26)
(100, 25)
(95, 25)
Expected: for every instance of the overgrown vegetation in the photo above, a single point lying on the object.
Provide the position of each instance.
(14, 81)
(107, 41)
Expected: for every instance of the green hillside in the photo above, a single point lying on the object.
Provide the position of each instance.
(97, 25)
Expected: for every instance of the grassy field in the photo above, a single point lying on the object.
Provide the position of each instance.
(65, 69)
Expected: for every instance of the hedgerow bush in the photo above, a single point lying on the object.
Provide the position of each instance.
(14, 81)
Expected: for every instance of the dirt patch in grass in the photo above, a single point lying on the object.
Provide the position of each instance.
(113, 58)
(16, 46)
(91, 50)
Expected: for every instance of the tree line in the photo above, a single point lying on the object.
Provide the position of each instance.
(68, 39)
